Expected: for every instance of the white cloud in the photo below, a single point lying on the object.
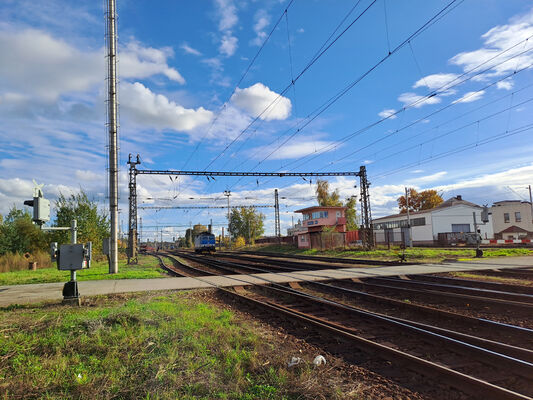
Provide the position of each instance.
(87, 175)
(506, 84)
(435, 81)
(228, 45)
(44, 67)
(409, 98)
(292, 150)
(227, 14)
(156, 111)
(255, 99)
(189, 50)
(500, 38)
(428, 178)
(469, 97)
(137, 61)
(388, 112)
(262, 20)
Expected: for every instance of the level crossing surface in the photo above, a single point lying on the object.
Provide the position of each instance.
(44, 292)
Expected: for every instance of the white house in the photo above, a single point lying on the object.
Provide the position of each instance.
(445, 224)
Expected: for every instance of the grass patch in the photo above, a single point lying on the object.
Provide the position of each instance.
(148, 267)
(144, 347)
(421, 254)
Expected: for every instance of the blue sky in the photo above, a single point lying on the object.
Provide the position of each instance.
(450, 109)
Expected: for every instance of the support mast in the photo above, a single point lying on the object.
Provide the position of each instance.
(112, 123)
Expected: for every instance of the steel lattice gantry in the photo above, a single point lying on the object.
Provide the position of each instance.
(366, 216)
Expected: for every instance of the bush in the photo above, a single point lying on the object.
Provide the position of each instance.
(239, 242)
(18, 262)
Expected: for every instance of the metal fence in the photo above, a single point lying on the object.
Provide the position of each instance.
(389, 238)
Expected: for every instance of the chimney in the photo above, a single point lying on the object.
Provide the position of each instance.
(459, 197)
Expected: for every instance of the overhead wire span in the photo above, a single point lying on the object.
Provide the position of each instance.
(444, 11)
(444, 87)
(284, 91)
(490, 139)
(245, 73)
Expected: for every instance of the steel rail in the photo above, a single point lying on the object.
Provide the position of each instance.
(457, 379)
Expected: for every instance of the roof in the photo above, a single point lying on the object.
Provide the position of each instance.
(514, 229)
(454, 201)
(503, 202)
(321, 207)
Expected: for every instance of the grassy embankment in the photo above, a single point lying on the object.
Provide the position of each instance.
(145, 347)
(148, 267)
(416, 254)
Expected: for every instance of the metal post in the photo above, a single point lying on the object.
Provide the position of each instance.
(479, 253)
(227, 193)
(366, 215)
(73, 240)
(530, 202)
(132, 214)
(277, 227)
(410, 238)
(112, 116)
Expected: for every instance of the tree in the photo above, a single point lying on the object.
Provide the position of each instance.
(424, 200)
(246, 222)
(324, 197)
(93, 225)
(351, 214)
(19, 235)
(327, 199)
(190, 234)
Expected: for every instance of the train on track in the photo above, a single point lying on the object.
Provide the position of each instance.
(204, 243)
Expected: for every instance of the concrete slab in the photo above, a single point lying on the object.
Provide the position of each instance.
(35, 293)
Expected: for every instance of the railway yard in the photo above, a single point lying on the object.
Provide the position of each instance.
(439, 335)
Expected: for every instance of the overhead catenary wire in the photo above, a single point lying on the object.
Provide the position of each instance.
(245, 73)
(444, 87)
(302, 72)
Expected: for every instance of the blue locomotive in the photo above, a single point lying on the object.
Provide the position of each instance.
(204, 243)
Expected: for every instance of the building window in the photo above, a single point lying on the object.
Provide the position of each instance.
(303, 238)
(461, 228)
(338, 214)
(319, 214)
(517, 217)
(506, 217)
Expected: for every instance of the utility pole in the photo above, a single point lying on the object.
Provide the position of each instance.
(112, 123)
(227, 193)
(366, 214)
(132, 215)
(530, 202)
(410, 239)
(277, 227)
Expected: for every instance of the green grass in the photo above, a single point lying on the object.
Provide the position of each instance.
(145, 347)
(147, 268)
(417, 254)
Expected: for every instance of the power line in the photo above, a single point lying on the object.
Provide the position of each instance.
(493, 138)
(444, 87)
(304, 70)
(238, 83)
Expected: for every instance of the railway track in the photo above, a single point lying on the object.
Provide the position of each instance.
(451, 356)
(336, 260)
